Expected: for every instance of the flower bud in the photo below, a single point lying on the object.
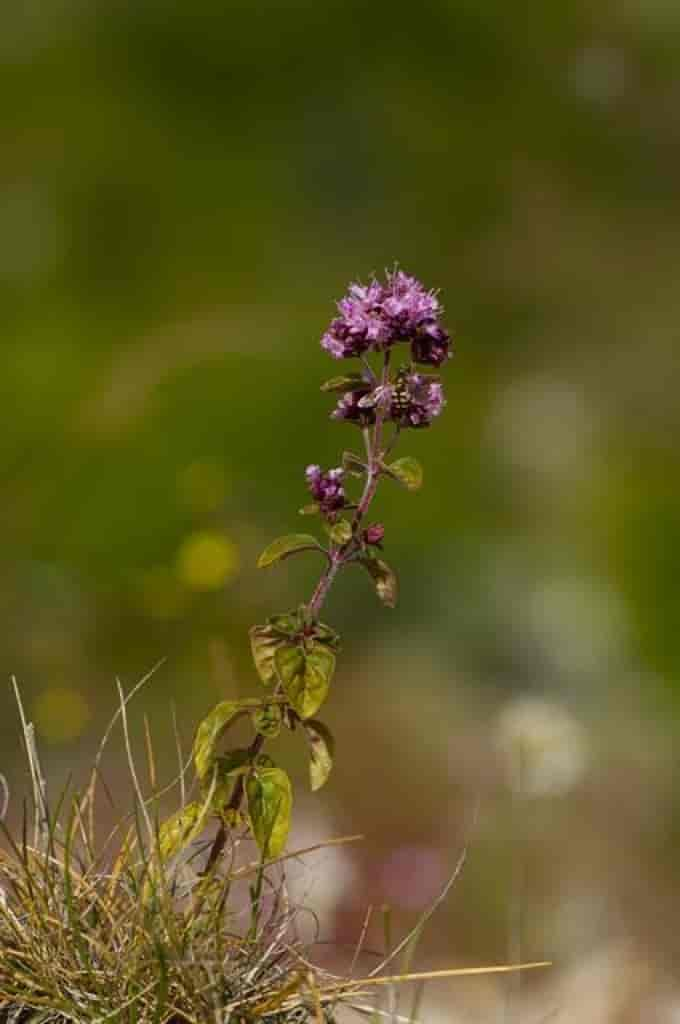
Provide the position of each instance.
(431, 344)
(374, 534)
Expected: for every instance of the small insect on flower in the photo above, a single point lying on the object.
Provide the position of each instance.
(349, 408)
(416, 399)
(401, 397)
(378, 398)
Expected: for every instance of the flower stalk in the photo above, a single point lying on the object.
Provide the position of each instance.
(295, 652)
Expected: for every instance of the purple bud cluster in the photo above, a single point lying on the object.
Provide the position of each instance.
(327, 489)
(375, 317)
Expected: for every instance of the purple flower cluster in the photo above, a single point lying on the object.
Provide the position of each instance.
(413, 400)
(350, 407)
(375, 317)
(416, 400)
(326, 489)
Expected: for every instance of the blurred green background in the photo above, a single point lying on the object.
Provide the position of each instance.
(186, 189)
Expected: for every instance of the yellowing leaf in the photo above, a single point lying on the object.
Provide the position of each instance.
(321, 750)
(340, 532)
(264, 640)
(408, 472)
(384, 578)
(209, 732)
(285, 546)
(263, 644)
(345, 382)
(180, 829)
(289, 661)
(351, 463)
(305, 677)
(270, 800)
(284, 625)
(174, 834)
(325, 635)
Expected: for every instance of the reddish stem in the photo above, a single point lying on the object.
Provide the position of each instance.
(339, 556)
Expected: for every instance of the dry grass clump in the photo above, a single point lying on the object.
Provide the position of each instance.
(83, 945)
(129, 931)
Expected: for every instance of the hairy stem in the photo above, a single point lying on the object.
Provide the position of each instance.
(339, 556)
(324, 585)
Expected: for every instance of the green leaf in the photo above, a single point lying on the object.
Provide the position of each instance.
(325, 635)
(289, 661)
(283, 547)
(384, 578)
(340, 532)
(305, 677)
(285, 625)
(351, 463)
(267, 720)
(209, 732)
(309, 510)
(174, 834)
(322, 659)
(345, 382)
(180, 829)
(234, 762)
(270, 801)
(321, 752)
(408, 472)
(265, 639)
(226, 769)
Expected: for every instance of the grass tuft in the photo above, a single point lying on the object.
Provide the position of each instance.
(129, 931)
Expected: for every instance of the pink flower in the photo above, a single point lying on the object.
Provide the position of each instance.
(377, 316)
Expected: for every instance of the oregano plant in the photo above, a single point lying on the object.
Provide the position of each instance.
(92, 933)
(392, 329)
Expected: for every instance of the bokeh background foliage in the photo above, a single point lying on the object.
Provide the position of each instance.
(185, 189)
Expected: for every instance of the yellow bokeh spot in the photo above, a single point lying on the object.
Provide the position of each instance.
(60, 714)
(207, 560)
